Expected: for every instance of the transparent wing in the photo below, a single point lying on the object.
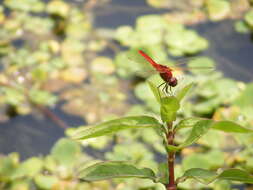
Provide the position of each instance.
(146, 72)
(175, 68)
(197, 64)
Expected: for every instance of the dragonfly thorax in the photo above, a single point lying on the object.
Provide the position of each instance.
(166, 76)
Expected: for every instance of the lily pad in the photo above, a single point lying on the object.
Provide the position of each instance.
(66, 152)
(218, 9)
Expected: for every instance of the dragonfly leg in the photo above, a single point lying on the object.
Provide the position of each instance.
(158, 88)
(161, 85)
(168, 89)
(165, 88)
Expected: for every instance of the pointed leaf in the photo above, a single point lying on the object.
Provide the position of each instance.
(201, 175)
(201, 126)
(199, 129)
(181, 94)
(155, 91)
(206, 176)
(163, 173)
(114, 169)
(229, 126)
(170, 106)
(226, 126)
(116, 125)
(236, 175)
(186, 123)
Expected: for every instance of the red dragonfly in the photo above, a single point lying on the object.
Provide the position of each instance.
(165, 72)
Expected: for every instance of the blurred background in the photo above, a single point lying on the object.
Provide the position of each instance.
(69, 64)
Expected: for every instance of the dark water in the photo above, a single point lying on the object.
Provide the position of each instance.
(231, 50)
(32, 136)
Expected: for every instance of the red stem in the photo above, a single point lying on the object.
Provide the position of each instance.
(171, 158)
(52, 116)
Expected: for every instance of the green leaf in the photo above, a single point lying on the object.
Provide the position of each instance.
(226, 126)
(155, 91)
(245, 99)
(14, 96)
(201, 175)
(218, 9)
(42, 97)
(116, 125)
(114, 169)
(181, 94)
(58, 8)
(207, 160)
(229, 126)
(199, 129)
(169, 108)
(236, 175)
(186, 123)
(182, 41)
(201, 126)
(29, 168)
(50, 163)
(242, 27)
(126, 35)
(66, 152)
(45, 182)
(206, 176)
(20, 185)
(25, 5)
(249, 18)
(8, 166)
(163, 173)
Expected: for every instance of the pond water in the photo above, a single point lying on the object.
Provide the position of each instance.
(32, 136)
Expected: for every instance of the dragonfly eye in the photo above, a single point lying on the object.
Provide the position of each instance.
(173, 82)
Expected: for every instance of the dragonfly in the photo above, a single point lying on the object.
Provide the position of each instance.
(165, 72)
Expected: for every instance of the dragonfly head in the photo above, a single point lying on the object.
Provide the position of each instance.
(173, 81)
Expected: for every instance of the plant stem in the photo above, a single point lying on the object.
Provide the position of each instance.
(51, 115)
(171, 158)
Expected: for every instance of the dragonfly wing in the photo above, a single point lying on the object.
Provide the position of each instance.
(185, 60)
(146, 72)
(175, 68)
(195, 61)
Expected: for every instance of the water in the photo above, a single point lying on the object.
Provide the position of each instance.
(231, 50)
(32, 136)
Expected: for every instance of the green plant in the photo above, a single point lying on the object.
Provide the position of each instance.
(167, 128)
